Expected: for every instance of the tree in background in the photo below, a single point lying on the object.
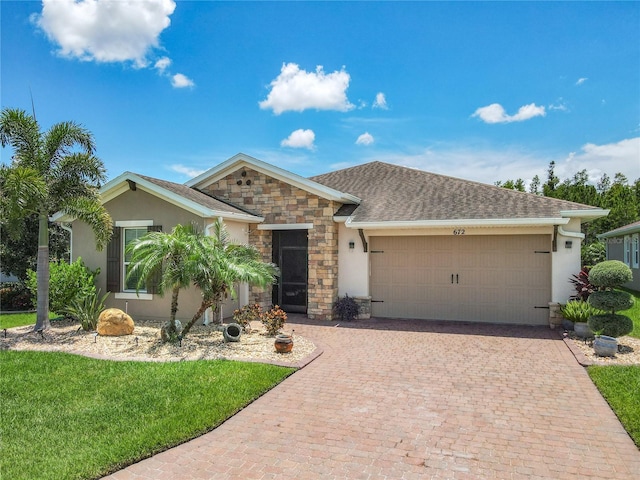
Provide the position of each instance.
(18, 255)
(617, 195)
(50, 171)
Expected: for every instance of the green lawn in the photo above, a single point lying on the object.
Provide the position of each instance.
(10, 320)
(620, 386)
(634, 313)
(70, 417)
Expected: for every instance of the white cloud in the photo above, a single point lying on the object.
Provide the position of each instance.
(380, 101)
(300, 139)
(610, 158)
(483, 163)
(188, 171)
(495, 113)
(162, 64)
(299, 90)
(580, 81)
(181, 81)
(365, 139)
(105, 30)
(560, 105)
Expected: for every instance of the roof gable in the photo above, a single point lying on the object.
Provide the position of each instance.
(177, 194)
(394, 195)
(241, 160)
(624, 230)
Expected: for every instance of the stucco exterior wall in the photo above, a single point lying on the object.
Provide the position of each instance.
(566, 261)
(281, 203)
(353, 264)
(140, 205)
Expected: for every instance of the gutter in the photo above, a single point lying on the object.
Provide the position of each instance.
(468, 222)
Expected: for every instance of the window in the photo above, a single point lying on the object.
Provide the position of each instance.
(118, 261)
(130, 234)
(627, 250)
(635, 250)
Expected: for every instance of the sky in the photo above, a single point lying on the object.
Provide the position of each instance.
(484, 91)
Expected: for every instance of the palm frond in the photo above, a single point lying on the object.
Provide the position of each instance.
(22, 132)
(94, 214)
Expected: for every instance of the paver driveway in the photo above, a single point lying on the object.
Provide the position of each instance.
(414, 399)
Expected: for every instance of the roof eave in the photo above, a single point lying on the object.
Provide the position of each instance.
(620, 231)
(587, 214)
(469, 222)
(230, 165)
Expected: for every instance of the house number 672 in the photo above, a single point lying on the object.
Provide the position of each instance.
(458, 231)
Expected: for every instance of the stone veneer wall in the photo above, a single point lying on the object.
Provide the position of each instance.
(281, 203)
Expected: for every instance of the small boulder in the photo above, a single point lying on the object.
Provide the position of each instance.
(114, 322)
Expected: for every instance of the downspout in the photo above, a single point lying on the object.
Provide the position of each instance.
(70, 230)
(564, 233)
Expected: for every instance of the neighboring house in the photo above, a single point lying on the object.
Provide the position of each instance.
(407, 243)
(624, 244)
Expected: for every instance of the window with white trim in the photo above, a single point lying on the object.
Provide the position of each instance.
(635, 250)
(128, 236)
(118, 260)
(627, 250)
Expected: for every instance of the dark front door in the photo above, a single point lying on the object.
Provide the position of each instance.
(290, 254)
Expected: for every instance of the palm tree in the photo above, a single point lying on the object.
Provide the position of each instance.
(222, 265)
(50, 171)
(167, 257)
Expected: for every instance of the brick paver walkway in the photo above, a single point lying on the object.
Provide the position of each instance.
(414, 400)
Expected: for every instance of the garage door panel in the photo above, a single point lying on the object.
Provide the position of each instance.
(473, 278)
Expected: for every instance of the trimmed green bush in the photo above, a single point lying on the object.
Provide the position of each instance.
(578, 311)
(67, 281)
(611, 325)
(611, 273)
(611, 300)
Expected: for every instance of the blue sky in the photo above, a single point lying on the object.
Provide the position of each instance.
(483, 91)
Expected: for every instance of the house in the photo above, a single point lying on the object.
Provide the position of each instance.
(406, 243)
(624, 244)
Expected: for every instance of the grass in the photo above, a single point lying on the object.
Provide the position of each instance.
(620, 386)
(633, 313)
(70, 417)
(10, 320)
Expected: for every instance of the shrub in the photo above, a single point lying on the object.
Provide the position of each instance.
(247, 314)
(611, 300)
(611, 273)
(86, 310)
(608, 275)
(582, 285)
(611, 325)
(67, 281)
(346, 308)
(593, 253)
(15, 296)
(578, 311)
(274, 320)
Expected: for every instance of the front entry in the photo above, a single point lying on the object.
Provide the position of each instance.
(290, 254)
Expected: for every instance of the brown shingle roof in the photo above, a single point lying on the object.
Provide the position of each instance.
(394, 193)
(197, 196)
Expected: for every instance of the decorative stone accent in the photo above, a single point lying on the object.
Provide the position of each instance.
(365, 307)
(555, 315)
(281, 203)
(114, 322)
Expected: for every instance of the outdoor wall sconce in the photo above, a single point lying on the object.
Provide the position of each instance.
(568, 244)
(352, 245)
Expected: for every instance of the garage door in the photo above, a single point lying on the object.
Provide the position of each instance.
(504, 279)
